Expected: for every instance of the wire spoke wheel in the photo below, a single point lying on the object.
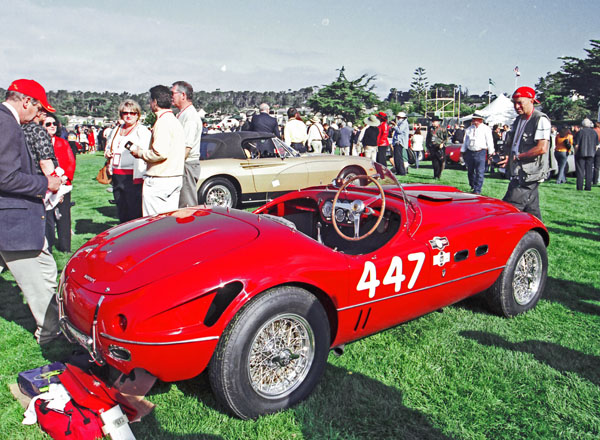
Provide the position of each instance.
(281, 355)
(219, 195)
(528, 276)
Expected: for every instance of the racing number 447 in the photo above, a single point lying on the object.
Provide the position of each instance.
(394, 274)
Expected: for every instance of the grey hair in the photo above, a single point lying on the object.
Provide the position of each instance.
(587, 123)
(185, 87)
(12, 95)
(264, 107)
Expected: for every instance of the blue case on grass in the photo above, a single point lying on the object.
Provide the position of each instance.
(37, 381)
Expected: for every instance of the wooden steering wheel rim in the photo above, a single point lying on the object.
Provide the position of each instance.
(379, 218)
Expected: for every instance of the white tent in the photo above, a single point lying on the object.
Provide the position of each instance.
(499, 111)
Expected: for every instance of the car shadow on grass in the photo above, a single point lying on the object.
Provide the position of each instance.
(556, 356)
(344, 405)
(86, 226)
(575, 296)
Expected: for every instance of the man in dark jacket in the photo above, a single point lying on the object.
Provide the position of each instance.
(23, 246)
(585, 142)
(263, 122)
(437, 136)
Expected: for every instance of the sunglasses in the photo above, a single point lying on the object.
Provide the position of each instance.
(128, 113)
(50, 124)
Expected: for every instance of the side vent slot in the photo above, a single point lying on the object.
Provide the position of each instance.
(224, 296)
(358, 320)
(367, 318)
(360, 315)
(481, 250)
(461, 255)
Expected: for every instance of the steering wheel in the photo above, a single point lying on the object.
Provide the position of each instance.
(358, 208)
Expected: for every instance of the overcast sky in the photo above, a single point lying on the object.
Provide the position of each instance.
(132, 45)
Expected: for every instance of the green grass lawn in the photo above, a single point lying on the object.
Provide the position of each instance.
(461, 374)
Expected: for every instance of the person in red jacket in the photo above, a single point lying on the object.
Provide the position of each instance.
(60, 217)
(91, 139)
(383, 142)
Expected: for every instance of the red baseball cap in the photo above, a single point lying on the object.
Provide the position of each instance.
(525, 92)
(382, 116)
(32, 89)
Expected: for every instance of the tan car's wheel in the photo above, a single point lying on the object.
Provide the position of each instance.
(218, 192)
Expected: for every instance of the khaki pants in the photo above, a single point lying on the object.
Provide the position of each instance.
(189, 195)
(35, 272)
(160, 194)
(371, 152)
(317, 146)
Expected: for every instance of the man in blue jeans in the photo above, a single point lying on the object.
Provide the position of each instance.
(478, 141)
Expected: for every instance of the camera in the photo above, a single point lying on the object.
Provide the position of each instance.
(128, 145)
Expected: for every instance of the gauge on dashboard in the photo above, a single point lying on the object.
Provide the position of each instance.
(340, 215)
(327, 209)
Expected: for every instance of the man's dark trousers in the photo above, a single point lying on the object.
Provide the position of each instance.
(475, 161)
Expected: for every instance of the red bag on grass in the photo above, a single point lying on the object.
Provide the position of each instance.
(90, 392)
(73, 423)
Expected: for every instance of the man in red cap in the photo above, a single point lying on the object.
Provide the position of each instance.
(528, 160)
(23, 246)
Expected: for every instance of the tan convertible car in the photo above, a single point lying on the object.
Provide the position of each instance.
(250, 167)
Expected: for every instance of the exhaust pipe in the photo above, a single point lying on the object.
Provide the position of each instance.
(339, 350)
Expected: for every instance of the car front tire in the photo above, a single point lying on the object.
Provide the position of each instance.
(218, 192)
(272, 354)
(521, 283)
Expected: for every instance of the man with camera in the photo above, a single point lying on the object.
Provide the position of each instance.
(527, 161)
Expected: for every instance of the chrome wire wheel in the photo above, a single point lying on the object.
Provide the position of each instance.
(528, 276)
(281, 355)
(219, 195)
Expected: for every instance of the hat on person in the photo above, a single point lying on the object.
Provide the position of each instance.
(525, 92)
(401, 115)
(478, 115)
(372, 121)
(436, 119)
(315, 119)
(32, 89)
(382, 116)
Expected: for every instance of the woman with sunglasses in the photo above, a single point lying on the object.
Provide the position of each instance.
(127, 171)
(60, 217)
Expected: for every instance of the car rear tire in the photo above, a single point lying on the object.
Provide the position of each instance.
(218, 192)
(272, 354)
(521, 283)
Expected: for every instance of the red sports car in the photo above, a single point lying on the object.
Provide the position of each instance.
(260, 298)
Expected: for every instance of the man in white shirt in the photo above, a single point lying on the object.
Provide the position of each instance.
(294, 132)
(182, 95)
(477, 142)
(165, 158)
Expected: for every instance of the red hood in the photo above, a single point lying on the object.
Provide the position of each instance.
(134, 254)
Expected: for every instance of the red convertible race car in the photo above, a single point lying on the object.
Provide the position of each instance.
(261, 298)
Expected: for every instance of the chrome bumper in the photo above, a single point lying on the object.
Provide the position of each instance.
(72, 333)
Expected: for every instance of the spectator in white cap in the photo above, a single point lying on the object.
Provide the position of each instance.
(400, 142)
(477, 144)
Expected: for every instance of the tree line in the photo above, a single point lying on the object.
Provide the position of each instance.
(106, 104)
(571, 93)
